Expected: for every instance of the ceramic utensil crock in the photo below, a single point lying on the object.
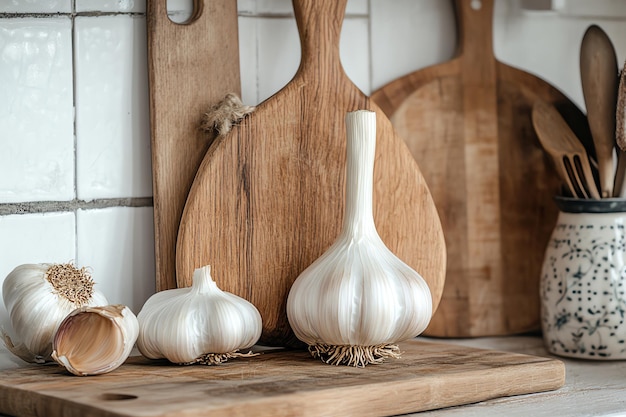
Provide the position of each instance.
(583, 280)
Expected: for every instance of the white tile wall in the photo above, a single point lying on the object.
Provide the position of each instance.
(74, 109)
(422, 34)
(248, 59)
(278, 53)
(112, 118)
(547, 44)
(36, 120)
(284, 7)
(35, 6)
(120, 6)
(117, 243)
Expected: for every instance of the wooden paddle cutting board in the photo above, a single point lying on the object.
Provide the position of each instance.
(427, 377)
(191, 67)
(467, 123)
(268, 198)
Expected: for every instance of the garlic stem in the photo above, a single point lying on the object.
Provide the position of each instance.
(202, 282)
(361, 150)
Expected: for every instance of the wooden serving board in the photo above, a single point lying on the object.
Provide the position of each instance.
(268, 198)
(191, 67)
(427, 377)
(468, 124)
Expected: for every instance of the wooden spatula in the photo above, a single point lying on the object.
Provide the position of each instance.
(191, 67)
(467, 123)
(268, 197)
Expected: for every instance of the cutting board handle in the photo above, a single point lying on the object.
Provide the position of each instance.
(158, 12)
(475, 30)
(319, 24)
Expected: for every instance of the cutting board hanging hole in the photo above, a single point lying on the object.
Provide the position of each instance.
(184, 12)
(476, 4)
(109, 396)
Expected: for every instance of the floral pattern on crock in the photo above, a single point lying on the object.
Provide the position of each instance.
(583, 289)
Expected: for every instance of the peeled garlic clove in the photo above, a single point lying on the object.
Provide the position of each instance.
(200, 324)
(38, 297)
(95, 340)
(358, 299)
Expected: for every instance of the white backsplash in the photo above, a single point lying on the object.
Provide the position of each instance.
(36, 110)
(112, 111)
(74, 117)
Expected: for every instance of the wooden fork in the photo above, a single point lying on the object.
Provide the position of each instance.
(567, 152)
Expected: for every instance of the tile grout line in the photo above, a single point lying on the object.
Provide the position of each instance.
(38, 207)
(96, 13)
(72, 14)
(75, 109)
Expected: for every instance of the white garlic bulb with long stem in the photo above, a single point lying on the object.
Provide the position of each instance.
(199, 324)
(355, 302)
(38, 297)
(95, 340)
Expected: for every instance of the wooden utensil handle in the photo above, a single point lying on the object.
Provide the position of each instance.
(319, 24)
(158, 11)
(475, 25)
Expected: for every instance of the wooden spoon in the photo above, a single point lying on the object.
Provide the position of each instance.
(186, 78)
(268, 198)
(599, 76)
(568, 153)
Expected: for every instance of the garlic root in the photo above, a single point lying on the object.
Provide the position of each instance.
(357, 356)
(219, 358)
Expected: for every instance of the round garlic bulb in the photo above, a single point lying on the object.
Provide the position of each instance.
(95, 340)
(199, 324)
(38, 297)
(358, 299)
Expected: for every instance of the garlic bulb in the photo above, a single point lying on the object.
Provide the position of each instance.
(38, 297)
(358, 299)
(95, 340)
(200, 324)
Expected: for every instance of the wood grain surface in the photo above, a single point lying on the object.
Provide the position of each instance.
(191, 67)
(467, 123)
(268, 198)
(428, 376)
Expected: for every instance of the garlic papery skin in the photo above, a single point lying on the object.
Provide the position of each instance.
(358, 299)
(199, 324)
(38, 297)
(95, 340)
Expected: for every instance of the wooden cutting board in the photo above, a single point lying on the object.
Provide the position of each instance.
(191, 67)
(268, 198)
(427, 377)
(467, 123)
